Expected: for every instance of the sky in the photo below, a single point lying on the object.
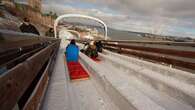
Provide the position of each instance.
(166, 17)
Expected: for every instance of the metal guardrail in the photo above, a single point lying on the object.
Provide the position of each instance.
(24, 84)
(176, 57)
(191, 44)
(186, 44)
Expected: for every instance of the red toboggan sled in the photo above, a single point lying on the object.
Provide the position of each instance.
(76, 71)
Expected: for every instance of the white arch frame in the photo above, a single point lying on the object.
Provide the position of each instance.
(79, 16)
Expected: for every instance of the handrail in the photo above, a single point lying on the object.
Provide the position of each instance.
(19, 81)
(174, 53)
(152, 42)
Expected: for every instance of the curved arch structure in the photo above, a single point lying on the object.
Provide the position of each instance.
(79, 16)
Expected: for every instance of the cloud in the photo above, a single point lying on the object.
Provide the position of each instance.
(157, 16)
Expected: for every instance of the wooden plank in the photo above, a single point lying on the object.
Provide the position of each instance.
(157, 58)
(36, 98)
(8, 45)
(14, 83)
(20, 59)
(34, 102)
(38, 94)
(179, 53)
(190, 44)
(16, 42)
(12, 86)
(8, 55)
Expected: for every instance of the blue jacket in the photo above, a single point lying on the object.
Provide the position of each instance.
(72, 53)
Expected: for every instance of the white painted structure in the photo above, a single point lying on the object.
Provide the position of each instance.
(79, 16)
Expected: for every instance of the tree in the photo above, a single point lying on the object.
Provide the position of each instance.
(55, 15)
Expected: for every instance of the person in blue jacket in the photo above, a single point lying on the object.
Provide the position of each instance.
(72, 52)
